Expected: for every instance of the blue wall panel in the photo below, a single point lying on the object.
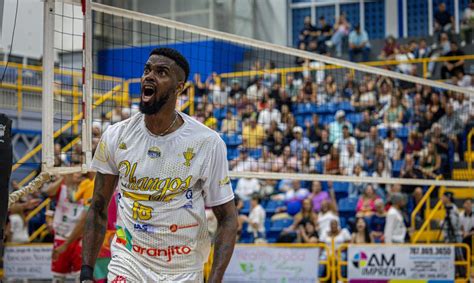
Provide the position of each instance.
(375, 19)
(204, 57)
(417, 18)
(327, 12)
(352, 12)
(298, 16)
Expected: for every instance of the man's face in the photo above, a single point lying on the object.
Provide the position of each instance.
(442, 7)
(159, 83)
(345, 132)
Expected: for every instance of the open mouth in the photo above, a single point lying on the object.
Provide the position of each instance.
(147, 92)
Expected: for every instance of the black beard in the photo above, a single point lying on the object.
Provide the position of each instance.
(155, 107)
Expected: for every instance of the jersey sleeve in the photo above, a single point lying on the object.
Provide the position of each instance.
(104, 157)
(217, 187)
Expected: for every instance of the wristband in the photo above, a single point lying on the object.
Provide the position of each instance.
(87, 273)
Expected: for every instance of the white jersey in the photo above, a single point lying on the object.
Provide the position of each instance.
(165, 183)
(67, 213)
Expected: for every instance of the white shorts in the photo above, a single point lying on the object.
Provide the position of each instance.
(124, 270)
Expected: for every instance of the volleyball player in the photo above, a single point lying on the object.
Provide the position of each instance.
(168, 168)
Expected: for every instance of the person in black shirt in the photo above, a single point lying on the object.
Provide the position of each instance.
(308, 30)
(324, 147)
(277, 145)
(451, 68)
(314, 130)
(410, 171)
(236, 88)
(363, 128)
(443, 20)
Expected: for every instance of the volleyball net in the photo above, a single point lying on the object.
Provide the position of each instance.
(284, 113)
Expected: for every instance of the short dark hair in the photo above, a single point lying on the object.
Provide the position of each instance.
(174, 55)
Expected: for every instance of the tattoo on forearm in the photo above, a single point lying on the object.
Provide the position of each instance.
(96, 222)
(225, 239)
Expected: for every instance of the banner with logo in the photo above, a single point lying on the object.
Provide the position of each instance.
(273, 264)
(28, 261)
(422, 262)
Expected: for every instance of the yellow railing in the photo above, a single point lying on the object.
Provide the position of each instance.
(284, 71)
(469, 158)
(426, 202)
(457, 262)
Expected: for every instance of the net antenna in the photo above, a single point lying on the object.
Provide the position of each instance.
(62, 35)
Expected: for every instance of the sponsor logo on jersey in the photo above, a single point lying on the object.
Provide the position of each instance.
(124, 237)
(169, 252)
(166, 188)
(119, 279)
(144, 228)
(188, 156)
(122, 145)
(189, 194)
(154, 152)
(174, 227)
(224, 181)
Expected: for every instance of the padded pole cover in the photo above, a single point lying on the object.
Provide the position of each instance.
(5, 170)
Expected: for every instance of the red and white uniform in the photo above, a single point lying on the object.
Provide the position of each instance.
(165, 183)
(65, 219)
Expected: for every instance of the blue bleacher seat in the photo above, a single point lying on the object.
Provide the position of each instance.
(246, 208)
(347, 206)
(403, 132)
(234, 140)
(346, 106)
(340, 187)
(220, 113)
(299, 118)
(383, 133)
(281, 224)
(354, 118)
(397, 166)
(272, 205)
(303, 108)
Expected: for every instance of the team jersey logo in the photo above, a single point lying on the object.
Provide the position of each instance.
(122, 146)
(174, 227)
(124, 237)
(224, 181)
(154, 152)
(119, 279)
(188, 156)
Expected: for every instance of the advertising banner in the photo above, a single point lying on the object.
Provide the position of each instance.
(382, 263)
(273, 264)
(28, 261)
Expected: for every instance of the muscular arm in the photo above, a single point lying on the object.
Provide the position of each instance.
(96, 220)
(226, 215)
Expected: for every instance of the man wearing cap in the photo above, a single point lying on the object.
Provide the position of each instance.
(299, 143)
(335, 128)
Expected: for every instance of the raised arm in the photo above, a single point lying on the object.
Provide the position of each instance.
(96, 223)
(226, 215)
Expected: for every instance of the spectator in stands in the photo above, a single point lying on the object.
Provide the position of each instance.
(368, 144)
(467, 223)
(422, 50)
(335, 128)
(256, 220)
(377, 222)
(299, 60)
(403, 54)
(269, 114)
(307, 234)
(393, 117)
(388, 49)
(318, 196)
(450, 68)
(325, 31)
(453, 127)
(277, 145)
(230, 123)
(381, 172)
(243, 162)
(364, 99)
(330, 88)
(366, 204)
(346, 139)
(324, 147)
(341, 30)
(253, 133)
(410, 171)
(351, 87)
(299, 143)
(413, 202)
(356, 188)
(332, 162)
(286, 161)
(350, 159)
(451, 225)
(414, 144)
(385, 91)
(364, 127)
(443, 20)
(315, 47)
(306, 215)
(336, 234)
(442, 50)
(393, 146)
(467, 24)
(440, 140)
(266, 161)
(236, 90)
(247, 187)
(306, 164)
(395, 229)
(361, 235)
(359, 44)
(327, 214)
(380, 155)
(291, 86)
(308, 30)
(430, 161)
(313, 130)
(255, 92)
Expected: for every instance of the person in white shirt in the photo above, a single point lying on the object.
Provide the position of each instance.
(269, 114)
(168, 168)
(395, 229)
(346, 138)
(467, 222)
(256, 220)
(327, 214)
(243, 162)
(350, 159)
(246, 187)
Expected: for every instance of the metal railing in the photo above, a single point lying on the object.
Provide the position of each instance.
(469, 158)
